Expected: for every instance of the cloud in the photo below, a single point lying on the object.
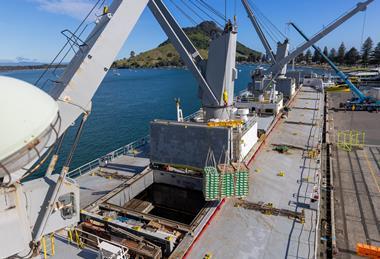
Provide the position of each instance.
(75, 8)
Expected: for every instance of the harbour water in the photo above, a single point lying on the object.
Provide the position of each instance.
(125, 103)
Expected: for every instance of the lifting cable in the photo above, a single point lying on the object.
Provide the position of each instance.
(207, 14)
(192, 10)
(184, 13)
(279, 33)
(212, 9)
(64, 46)
(263, 26)
(270, 27)
(225, 11)
(76, 140)
(364, 22)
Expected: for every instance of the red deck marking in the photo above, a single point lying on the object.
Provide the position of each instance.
(204, 228)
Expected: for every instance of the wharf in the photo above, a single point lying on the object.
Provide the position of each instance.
(356, 179)
(241, 233)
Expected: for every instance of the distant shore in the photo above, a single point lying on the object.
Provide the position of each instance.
(319, 66)
(31, 67)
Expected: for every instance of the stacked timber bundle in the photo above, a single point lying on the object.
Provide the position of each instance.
(227, 180)
(211, 183)
(241, 180)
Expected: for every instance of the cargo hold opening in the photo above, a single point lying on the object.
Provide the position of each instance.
(170, 202)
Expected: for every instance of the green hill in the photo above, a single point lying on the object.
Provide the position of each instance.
(166, 55)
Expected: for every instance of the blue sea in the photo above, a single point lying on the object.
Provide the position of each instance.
(126, 102)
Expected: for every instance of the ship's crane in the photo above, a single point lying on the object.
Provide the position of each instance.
(361, 102)
(282, 51)
(259, 31)
(360, 7)
(279, 64)
(53, 203)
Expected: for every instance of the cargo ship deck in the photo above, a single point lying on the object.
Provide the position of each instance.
(286, 180)
(240, 233)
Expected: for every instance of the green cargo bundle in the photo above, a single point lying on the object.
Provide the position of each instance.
(225, 181)
(227, 188)
(241, 187)
(241, 180)
(211, 183)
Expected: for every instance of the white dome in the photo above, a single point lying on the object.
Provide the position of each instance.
(25, 113)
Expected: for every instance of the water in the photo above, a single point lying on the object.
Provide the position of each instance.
(124, 105)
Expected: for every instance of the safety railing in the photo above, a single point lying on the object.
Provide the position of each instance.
(193, 115)
(249, 123)
(89, 240)
(124, 150)
(48, 245)
(348, 139)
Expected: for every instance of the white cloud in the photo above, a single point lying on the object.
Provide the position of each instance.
(74, 8)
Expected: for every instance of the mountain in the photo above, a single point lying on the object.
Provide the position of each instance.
(19, 61)
(166, 55)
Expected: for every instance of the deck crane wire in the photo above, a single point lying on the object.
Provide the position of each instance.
(64, 46)
(265, 29)
(268, 31)
(212, 9)
(363, 28)
(205, 13)
(225, 11)
(273, 28)
(192, 10)
(184, 13)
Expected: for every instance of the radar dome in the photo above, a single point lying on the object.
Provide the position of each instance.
(28, 116)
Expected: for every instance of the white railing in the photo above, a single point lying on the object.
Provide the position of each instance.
(124, 150)
(193, 115)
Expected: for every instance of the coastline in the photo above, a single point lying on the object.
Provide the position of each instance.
(23, 68)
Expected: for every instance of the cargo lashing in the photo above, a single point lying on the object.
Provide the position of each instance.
(225, 180)
(268, 209)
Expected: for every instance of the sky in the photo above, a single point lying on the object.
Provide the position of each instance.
(30, 29)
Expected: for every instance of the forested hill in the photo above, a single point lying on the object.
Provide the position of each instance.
(166, 55)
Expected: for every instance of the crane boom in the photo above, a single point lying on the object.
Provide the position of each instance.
(362, 6)
(91, 63)
(262, 37)
(182, 44)
(83, 75)
(342, 75)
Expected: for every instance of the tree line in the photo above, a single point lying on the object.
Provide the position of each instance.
(368, 55)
